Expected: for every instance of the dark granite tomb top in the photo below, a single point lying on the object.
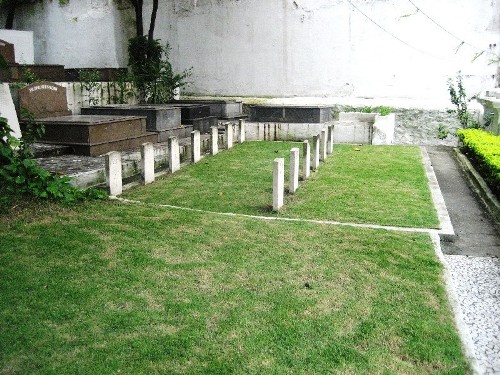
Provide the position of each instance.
(290, 113)
(86, 119)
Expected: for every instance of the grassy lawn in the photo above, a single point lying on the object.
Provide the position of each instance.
(379, 185)
(106, 287)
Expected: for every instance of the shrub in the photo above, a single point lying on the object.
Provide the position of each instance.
(20, 175)
(483, 150)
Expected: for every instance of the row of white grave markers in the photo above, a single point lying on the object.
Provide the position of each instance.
(113, 162)
(322, 146)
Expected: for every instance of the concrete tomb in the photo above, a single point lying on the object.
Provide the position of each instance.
(164, 121)
(86, 134)
(316, 146)
(293, 114)
(222, 109)
(214, 140)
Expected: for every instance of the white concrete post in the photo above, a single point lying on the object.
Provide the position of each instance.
(330, 138)
(195, 146)
(324, 143)
(315, 160)
(229, 136)
(174, 159)
(147, 163)
(294, 169)
(113, 170)
(214, 140)
(278, 183)
(242, 130)
(306, 153)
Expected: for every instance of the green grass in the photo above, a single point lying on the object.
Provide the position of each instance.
(379, 185)
(105, 287)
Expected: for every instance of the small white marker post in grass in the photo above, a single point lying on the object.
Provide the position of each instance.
(294, 170)
(113, 169)
(324, 144)
(229, 136)
(214, 140)
(306, 153)
(242, 129)
(147, 163)
(278, 183)
(330, 139)
(174, 159)
(315, 160)
(195, 146)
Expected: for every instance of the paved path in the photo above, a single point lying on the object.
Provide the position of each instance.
(471, 258)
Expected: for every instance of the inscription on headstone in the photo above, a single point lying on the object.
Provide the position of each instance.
(44, 99)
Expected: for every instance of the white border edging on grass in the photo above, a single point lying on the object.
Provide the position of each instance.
(462, 328)
(288, 219)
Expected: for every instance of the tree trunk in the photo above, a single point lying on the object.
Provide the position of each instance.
(11, 11)
(139, 26)
(154, 12)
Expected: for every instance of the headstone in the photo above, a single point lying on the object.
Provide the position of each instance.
(214, 140)
(229, 136)
(195, 146)
(8, 111)
(324, 144)
(242, 130)
(315, 160)
(7, 51)
(330, 139)
(278, 183)
(148, 163)
(44, 99)
(113, 170)
(294, 170)
(306, 152)
(174, 160)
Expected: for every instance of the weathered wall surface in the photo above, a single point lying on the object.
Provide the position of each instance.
(83, 33)
(327, 47)
(288, 47)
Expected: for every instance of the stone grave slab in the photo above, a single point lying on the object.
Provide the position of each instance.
(222, 109)
(86, 134)
(290, 114)
(8, 110)
(159, 118)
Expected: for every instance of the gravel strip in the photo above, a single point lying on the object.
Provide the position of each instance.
(476, 281)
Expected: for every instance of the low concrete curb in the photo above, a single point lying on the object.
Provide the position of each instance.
(480, 188)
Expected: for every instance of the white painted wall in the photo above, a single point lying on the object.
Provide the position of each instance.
(288, 47)
(84, 33)
(328, 48)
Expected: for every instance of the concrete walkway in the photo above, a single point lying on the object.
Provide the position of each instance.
(471, 259)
